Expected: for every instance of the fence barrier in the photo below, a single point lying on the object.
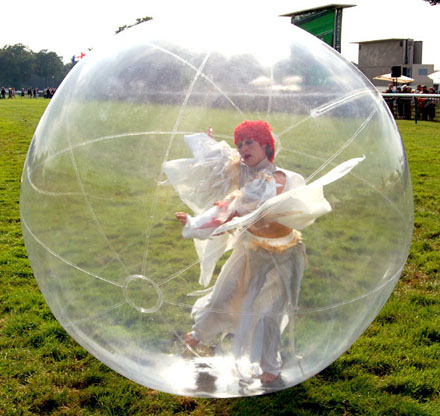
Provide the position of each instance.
(413, 106)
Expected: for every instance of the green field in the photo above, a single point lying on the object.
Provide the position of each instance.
(393, 369)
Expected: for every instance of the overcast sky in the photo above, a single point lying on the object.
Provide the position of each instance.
(69, 28)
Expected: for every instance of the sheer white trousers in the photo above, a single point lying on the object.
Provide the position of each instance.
(254, 297)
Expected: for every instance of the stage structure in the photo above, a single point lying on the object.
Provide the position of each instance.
(324, 22)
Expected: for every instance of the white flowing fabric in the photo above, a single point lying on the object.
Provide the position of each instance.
(208, 177)
(253, 298)
(258, 287)
(296, 208)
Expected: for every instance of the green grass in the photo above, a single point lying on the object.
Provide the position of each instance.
(392, 369)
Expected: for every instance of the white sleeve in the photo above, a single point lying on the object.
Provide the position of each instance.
(297, 207)
(208, 177)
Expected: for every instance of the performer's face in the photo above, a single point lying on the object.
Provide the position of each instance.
(251, 152)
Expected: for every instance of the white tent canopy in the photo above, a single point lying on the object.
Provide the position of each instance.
(435, 76)
(400, 80)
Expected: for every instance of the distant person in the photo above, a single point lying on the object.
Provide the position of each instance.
(406, 102)
(400, 103)
(390, 100)
(430, 105)
(29, 92)
(424, 104)
(389, 90)
(22, 93)
(10, 93)
(3, 93)
(420, 101)
(35, 92)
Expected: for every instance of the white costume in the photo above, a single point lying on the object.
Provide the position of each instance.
(258, 286)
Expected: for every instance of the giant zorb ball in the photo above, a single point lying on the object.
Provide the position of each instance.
(98, 212)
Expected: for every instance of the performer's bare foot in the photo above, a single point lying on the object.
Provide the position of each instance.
(268, 377)
(190, 340)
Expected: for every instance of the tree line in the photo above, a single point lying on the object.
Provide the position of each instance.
(21, 67)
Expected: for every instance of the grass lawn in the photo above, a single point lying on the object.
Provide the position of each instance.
(392, 369)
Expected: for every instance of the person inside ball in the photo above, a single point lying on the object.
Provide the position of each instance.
(244, 202)
(267, 256)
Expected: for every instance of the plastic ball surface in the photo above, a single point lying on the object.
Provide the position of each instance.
(98, 212)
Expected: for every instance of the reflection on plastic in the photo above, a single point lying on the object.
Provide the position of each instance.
(97, 209)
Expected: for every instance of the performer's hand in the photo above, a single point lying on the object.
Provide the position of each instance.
(232, 215)
(181, 216)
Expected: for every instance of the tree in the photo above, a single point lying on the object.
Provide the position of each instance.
(49, 67)
(138, 22)
(20, 67)
(15, 64)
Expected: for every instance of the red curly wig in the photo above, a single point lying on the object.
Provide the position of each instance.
(257, 130)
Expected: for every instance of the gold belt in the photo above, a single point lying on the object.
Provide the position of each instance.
(275, 244)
